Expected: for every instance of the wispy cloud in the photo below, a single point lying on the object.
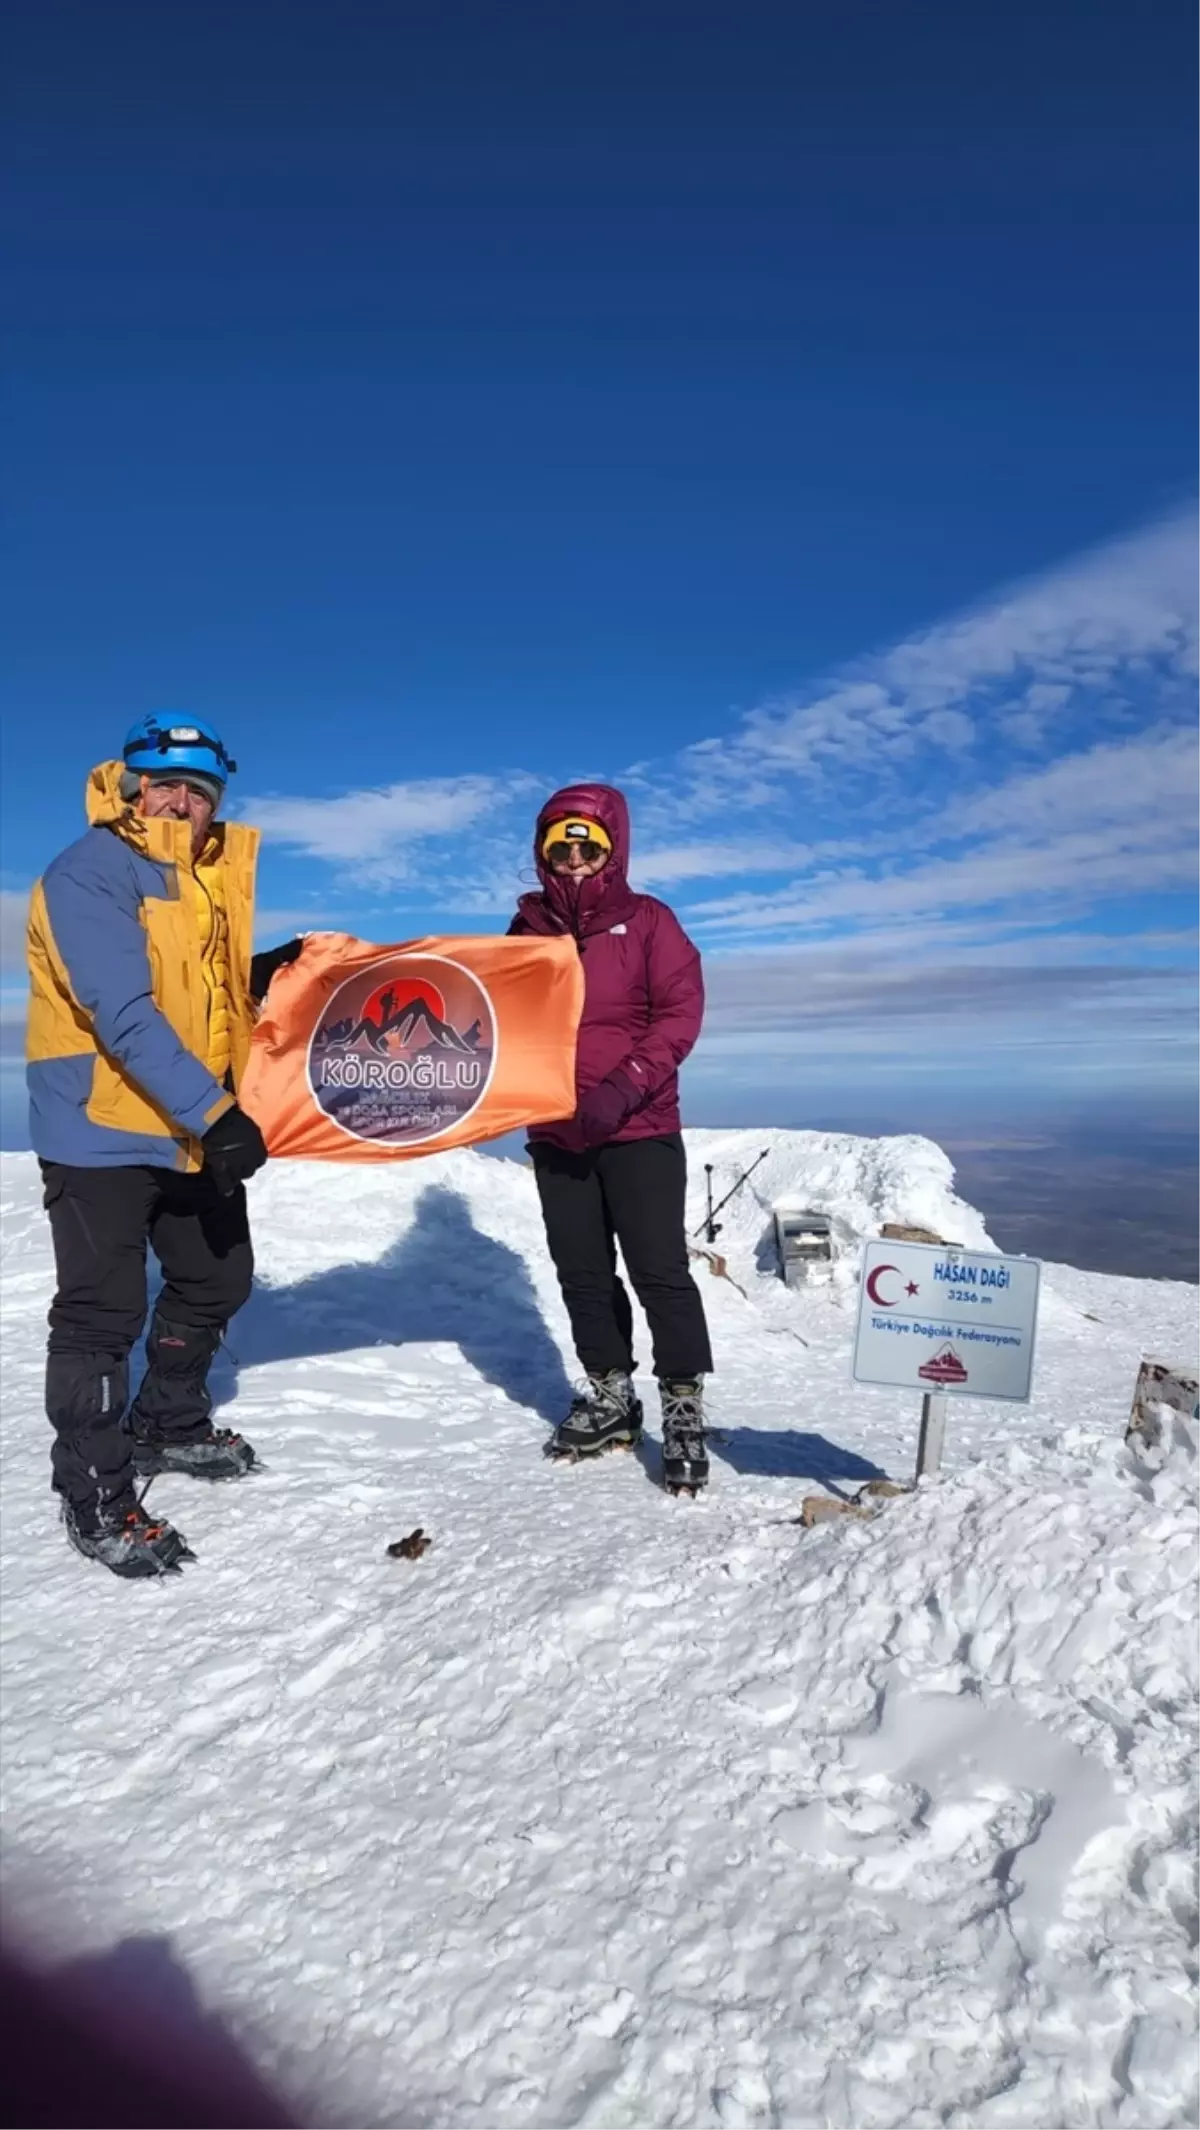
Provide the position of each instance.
(872, 985)
(1095, 830)
(934, 823)
(273, 926)
(1020, 665)
(1150, 779)
(920, 736)
(14, 1009)
(672, 863)
(14, 915)
(918, 1012)
(384, 831)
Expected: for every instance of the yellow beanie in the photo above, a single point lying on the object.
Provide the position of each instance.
(576, 828)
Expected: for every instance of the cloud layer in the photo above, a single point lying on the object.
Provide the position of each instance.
(14, 914)
(988, 829)
(908, 838)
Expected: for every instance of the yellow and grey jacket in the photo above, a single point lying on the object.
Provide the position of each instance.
(140, 1015)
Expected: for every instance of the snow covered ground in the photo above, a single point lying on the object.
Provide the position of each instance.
(616, 1810)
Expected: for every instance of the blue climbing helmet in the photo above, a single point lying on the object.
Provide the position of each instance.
(190, 746)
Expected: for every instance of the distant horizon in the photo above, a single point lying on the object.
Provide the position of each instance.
(1101, 1186)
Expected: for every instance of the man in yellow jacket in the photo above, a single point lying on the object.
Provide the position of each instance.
(142, 1008)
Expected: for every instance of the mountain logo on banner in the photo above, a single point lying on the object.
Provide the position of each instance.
(403, 1050)
(945, 1367)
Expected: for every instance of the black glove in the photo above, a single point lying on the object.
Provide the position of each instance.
(264, 965)
(604, 1109)
(233, 1149)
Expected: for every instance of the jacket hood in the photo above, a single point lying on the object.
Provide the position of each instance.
(598, 802)
(160, 839)
(105, 805)
(581, 906)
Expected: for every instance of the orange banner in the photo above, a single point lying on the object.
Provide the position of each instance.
(369, 1053)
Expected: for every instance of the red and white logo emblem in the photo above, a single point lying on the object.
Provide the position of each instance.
(404, 1050)
(945, 1367)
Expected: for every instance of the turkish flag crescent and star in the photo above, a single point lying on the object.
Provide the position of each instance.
(367, 1053)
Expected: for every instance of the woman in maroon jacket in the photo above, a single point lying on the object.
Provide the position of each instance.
(616, 1172)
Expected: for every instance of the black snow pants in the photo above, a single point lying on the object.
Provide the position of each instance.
(102, 1220)
(633, 1195)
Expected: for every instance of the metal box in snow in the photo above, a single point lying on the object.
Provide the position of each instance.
(802, 1239)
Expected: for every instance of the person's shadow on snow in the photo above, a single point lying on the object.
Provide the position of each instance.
(442, 1281)
(784, 1453)
(121, 2037)
(146, 1971)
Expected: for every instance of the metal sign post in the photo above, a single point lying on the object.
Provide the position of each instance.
(932, 1439)
(945, 1321)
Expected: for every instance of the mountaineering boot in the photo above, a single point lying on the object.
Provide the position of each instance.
(606, 1412)
(121, 1536)
(216, 1454)
(685, 1458)
(171, 1419)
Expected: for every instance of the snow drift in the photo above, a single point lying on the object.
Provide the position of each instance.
(612, 1809)
(859, 1183)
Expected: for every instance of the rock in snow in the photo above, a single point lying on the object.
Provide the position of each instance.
(620, 1810)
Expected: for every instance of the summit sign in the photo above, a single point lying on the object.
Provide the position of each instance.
(932, 1317)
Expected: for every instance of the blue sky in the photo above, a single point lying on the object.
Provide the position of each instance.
(784, 411)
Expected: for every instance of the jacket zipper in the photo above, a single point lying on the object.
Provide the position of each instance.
(207, 990)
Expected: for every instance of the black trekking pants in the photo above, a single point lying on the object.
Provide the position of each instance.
(102, 1220)
(633, 1195)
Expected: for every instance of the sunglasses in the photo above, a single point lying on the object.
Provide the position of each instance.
(559, 853)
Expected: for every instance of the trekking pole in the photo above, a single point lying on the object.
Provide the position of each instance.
(710, 1224)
